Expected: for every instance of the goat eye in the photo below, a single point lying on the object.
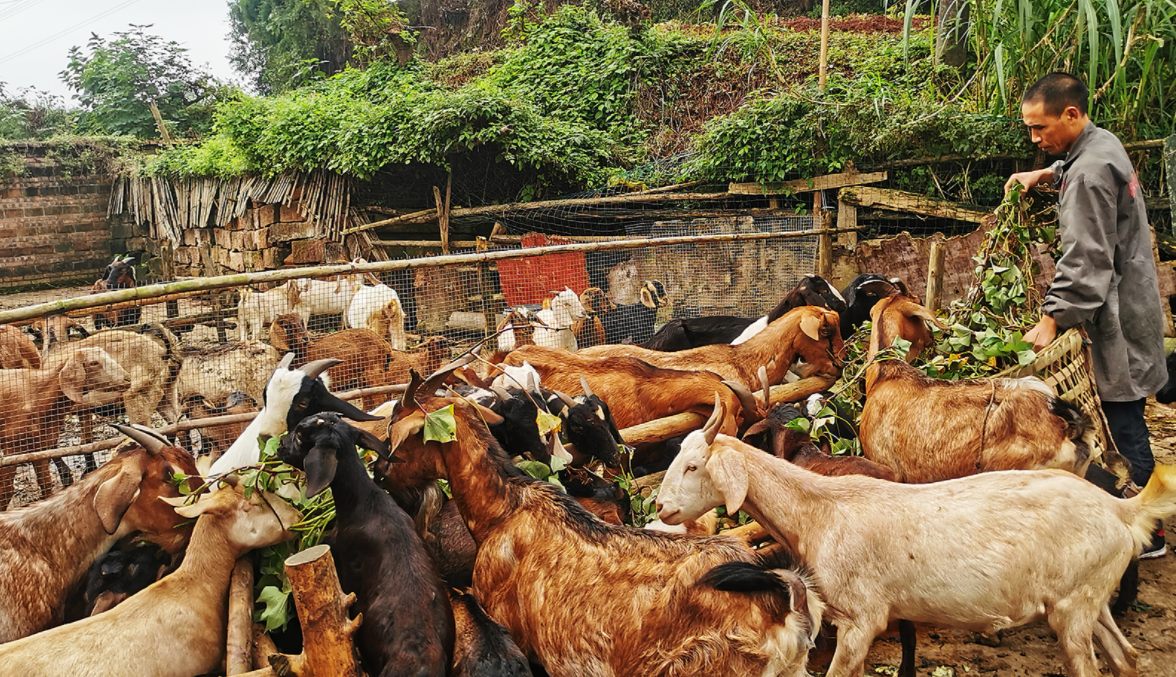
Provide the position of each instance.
(691, 468)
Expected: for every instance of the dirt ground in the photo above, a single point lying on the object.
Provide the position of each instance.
(1032, 650)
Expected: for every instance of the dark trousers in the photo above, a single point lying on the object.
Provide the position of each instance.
(1129, 428)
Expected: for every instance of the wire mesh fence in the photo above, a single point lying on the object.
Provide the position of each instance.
(194, 356)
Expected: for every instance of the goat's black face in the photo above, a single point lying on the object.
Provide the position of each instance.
(313, 398)
(519, 431)
(590, 426)
(120, 275)
(317, 445)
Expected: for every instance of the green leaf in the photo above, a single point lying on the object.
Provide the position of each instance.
(558, 464)
(274, 614)
(536, 469)
(270, 448)
(1025, 357)
(440, 426)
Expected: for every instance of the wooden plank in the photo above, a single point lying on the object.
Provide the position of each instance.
(806, 185)
(902, 201)
(847, 218)
(935, 276)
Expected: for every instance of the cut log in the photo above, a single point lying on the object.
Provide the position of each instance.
(239, 648)
(263, 647)
(327, 632)
(807, 185)
(902, 201)
(935, 276)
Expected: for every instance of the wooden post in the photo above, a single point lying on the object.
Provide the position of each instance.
(935, 276)
(239, 649)
(825, 239)
(159, 123)
(846, 219)
(327, 633)
(824, 44)
(443, 212)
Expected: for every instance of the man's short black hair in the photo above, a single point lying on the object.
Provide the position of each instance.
(1058, 91)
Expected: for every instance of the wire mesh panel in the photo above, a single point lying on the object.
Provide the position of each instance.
(195, 363)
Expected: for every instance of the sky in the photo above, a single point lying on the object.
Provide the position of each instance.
(35, 35)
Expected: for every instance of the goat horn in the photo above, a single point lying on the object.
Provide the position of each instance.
(436, 378)
(763, 377)
(317, 367)
(584, 385)
(501, 393)
(287, 360)
(566, 399)
(414, 383)
(746, 399)
(711, 429)
(149, 440)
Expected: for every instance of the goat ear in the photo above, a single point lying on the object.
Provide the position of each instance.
(219, 500)
(489, 416)
(647, 299)
(73, 378)
(924, 313)
(810, 325)
(369, 441)
(729, 474)
(405, 428)
(320, 465)
(116, 494)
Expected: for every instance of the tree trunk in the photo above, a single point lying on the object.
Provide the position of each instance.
(951, 45)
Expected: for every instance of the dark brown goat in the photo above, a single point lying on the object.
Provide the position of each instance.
(483, 648)
(588, 330)
(120, 274)
(407, 624)
(17, 350)
(797, 447)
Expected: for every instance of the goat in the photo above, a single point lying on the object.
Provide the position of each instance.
(553, 326)
(120, 274)
(378, 308)
(55, 329)
(637, 392)
(928, 429)
(796, 447)
(290, 395)
(632, 602)
(36, 401)
(176, 627)
(806, 332)
(120, 573)
(515, 330)
(17, 350)
(589, 331)
(634, 322)
(46, 548)
(214, 440)
(256, 310)
(407, 626)
(325, 297)
(861, 294)
(985, 552)
(215, 373)
(686, 333)
(483, 648)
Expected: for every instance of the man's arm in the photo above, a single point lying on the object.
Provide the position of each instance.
(1089, 238)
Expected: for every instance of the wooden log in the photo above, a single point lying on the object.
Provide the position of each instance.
(653, 480)
(327, 632)
(902, 201)
(797, 391)
(425, 244)
(239, 645)
(263, 647)
(847, 223)
(825, 243)
(750, 533)
(241, 279)
(935, 276)
(823, 64)
(826, 182)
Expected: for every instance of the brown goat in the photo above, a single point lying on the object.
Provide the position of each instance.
(635, 391)
(589, 331)
(810, 333)
(55, 329)
(17, 350)
(797, 447)
(901, 316)
(120, 274)
(631, 602)
(928, 429)
(46, 548)
(216, 439)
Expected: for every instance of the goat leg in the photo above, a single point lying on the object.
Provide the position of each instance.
(907, 637)
(64, 472)
(1119, 654)
(1128, 589)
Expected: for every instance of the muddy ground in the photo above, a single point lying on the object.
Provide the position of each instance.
(1150, 625)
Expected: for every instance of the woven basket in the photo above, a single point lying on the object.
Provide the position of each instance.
(1065, 365)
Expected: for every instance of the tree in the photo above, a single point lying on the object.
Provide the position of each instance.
(32, 114)
(281, 44)
(119, 79)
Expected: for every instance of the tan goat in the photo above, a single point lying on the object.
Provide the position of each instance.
(17, 350)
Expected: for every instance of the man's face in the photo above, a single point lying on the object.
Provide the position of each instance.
(1054, 134)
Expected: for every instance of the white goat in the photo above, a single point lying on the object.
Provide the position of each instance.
(378, 308)
(554, 326)
(985, 552)
(176, 627)
(516, 378)
(323, 297)
(258, 309)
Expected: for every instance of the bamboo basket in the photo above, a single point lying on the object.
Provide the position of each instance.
(1065, 365)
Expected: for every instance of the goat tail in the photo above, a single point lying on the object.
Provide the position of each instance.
(805, 605)
(1155, 502)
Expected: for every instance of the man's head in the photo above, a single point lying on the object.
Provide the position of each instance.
(1054, 110)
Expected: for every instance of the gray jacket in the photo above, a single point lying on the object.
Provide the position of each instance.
(1106, 276)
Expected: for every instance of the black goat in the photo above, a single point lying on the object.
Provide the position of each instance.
(120, 573)
(120, 274)
(484, 648)
(686, 333)
(408, 626)
(633, 323)
(860, 295)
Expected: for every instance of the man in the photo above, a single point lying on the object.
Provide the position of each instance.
(1106, 276)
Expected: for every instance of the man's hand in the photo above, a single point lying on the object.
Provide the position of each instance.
(1028, 179)
(1043, 334)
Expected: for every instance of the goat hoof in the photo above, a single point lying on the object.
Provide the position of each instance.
(986, 639)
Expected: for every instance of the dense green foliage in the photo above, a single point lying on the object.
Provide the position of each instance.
(118, 78)
(282, 44)
(33, 115)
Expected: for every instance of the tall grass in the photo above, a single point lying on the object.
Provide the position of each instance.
(1124, 49)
